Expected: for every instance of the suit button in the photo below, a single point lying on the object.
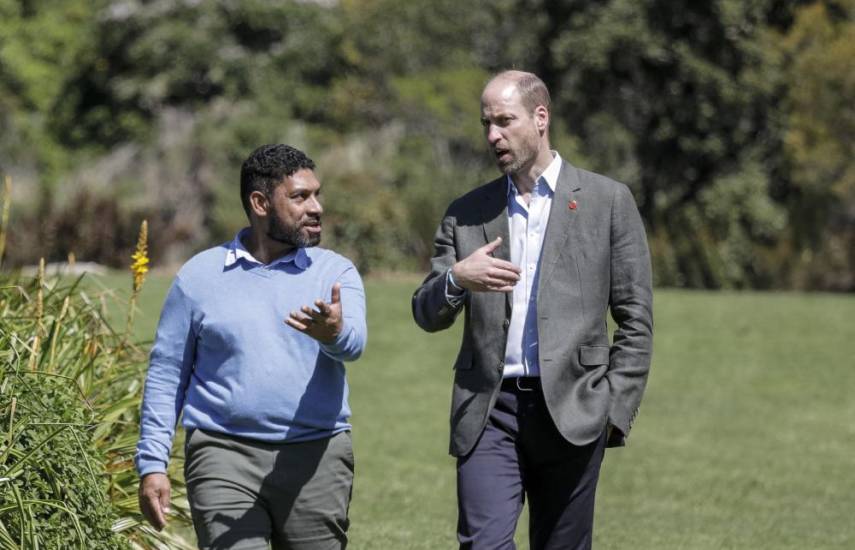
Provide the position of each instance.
(500, 366)
(505, 324)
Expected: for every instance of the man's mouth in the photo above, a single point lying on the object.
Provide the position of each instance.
(502, 155)
(312, 226)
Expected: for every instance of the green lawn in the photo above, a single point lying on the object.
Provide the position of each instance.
(746, 438)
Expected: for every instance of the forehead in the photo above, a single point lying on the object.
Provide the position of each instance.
(303, 179)
(501, 95)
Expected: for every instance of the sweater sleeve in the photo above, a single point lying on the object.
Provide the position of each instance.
(354, 334)
(170, 364)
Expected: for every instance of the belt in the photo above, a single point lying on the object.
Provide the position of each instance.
(521, 384)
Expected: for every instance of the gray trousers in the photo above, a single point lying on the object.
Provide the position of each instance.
(247, 494)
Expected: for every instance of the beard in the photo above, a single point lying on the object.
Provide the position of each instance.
(290, 235)
(521, 157)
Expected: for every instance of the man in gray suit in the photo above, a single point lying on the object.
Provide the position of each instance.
(535, 259)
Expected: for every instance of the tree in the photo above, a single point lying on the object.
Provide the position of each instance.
(820, 143)
(675, 99)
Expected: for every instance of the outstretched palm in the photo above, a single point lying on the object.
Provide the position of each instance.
(323, 324)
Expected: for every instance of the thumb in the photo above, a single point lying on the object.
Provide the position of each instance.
(336, 294)
(491, 246)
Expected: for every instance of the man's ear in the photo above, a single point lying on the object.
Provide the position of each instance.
(258, 203)
(541, 118)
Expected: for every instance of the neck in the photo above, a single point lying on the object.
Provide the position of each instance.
(263, 248)
(525, 178)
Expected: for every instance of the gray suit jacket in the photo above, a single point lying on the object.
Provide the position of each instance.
(594, 257)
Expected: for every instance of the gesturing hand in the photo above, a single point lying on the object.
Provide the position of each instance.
(323, 324)
(481, 272)
(154, 499)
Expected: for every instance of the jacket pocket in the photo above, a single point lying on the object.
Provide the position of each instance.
(463, 361)
(592, 356)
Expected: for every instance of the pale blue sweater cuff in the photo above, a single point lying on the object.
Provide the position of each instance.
(145, 467)
(347, 346)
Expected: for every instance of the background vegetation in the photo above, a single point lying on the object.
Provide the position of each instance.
(743, 440)
(732, 121)
(69, 409)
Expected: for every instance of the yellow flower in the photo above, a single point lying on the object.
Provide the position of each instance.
(139, 267)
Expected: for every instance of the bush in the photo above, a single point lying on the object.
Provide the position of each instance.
(69, 406)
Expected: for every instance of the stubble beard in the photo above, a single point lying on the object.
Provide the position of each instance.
(514, 167)
(522, 157)
(290, 235)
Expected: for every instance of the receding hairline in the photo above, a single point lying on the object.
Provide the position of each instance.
(533, 91)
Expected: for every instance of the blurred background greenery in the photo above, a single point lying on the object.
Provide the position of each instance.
(732, 121)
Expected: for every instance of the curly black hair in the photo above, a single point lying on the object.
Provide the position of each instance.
(267, 167)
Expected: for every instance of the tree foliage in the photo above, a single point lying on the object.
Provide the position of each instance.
(726, 118)
(820, 143)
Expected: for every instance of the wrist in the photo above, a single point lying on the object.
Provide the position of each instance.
(336, 338)
(333, 338)
(452, 284)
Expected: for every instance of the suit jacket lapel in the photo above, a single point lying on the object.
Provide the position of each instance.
(495, 214)
(562, 220)
(496, 225)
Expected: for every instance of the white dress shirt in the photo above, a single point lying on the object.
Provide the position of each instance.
(527, 225)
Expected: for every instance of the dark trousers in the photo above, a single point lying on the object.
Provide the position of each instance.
(521, 454)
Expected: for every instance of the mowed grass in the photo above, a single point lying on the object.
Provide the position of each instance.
(745, 440)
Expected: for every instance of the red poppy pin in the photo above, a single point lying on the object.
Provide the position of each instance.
(572, 205)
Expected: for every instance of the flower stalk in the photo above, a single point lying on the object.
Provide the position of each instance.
(139, 268)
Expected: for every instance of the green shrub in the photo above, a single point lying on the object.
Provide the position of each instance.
(69, 415)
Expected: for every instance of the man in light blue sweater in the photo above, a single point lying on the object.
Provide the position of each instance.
(251, 347)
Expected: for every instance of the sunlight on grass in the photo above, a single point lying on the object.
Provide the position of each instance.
(744, 439)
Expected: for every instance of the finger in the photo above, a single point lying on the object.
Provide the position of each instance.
(302, 317)
(496, 282)
(336, 294)
(491, 246)
(144, 508)
(294, 323)
(154, 515)
(505, 265)
(164, 500)
(502, 276)
(493, 287)
(323, 307)
(497, 288)
(314, 315)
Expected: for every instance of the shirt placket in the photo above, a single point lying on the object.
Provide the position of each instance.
(532, 240)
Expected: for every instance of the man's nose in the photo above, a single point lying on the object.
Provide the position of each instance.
(493, 134)
(314, 206)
